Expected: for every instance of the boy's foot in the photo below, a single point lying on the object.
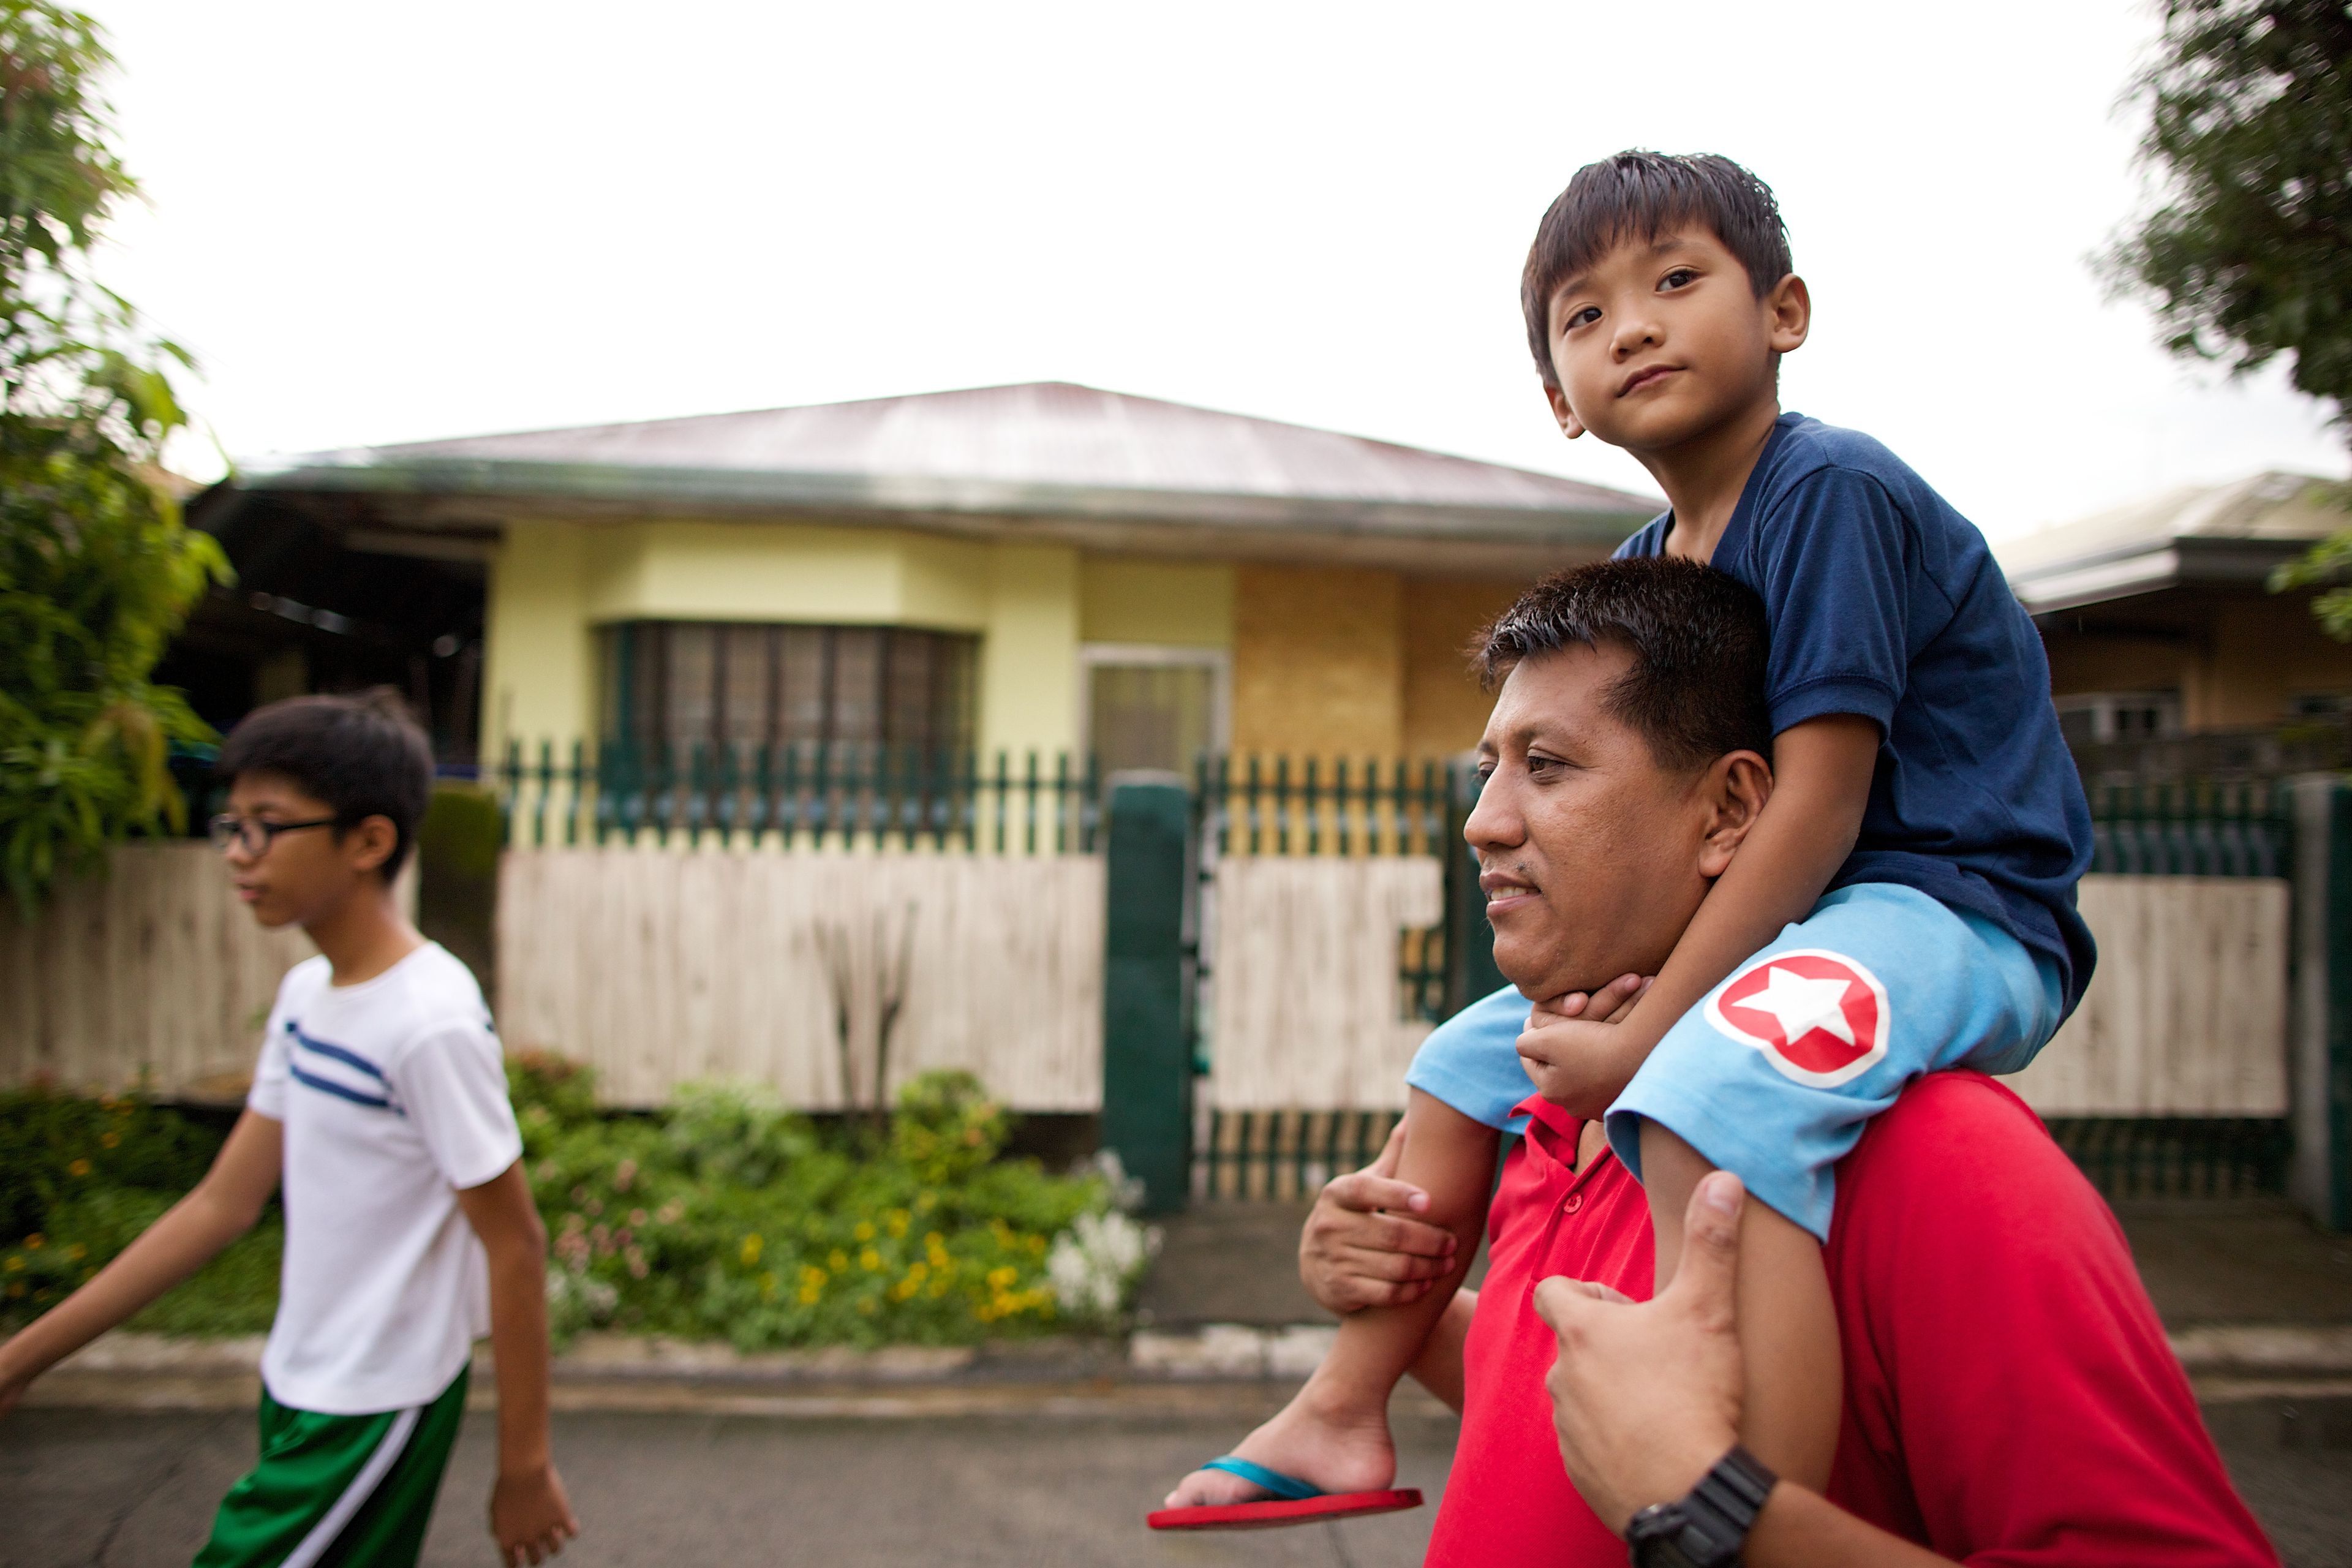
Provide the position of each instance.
(1339, 1453)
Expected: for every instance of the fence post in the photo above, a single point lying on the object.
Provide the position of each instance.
(1147, 1113)
(1470, 972)
(2321, 1065)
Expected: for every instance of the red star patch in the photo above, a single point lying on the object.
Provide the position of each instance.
(1817, 1016)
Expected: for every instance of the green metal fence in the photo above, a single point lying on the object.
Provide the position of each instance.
(2196, 827)
(1279, 805)
(2192, 828)
(797, 795)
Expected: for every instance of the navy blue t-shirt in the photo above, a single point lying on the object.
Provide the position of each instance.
(1883, 601)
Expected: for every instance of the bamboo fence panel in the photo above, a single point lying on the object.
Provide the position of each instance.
(1307, 1010)
(2186, 1014)
(152, 974)
(658, 967)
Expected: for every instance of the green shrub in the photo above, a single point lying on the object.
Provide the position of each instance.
(730, 1217)
(79, 1179)
(725, 1216)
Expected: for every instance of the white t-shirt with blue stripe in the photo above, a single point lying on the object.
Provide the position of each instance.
(392, 1096)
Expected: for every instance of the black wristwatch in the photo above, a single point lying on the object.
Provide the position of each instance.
(1707, 1528)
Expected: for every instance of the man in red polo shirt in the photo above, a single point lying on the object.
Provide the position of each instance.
(2009, 1395)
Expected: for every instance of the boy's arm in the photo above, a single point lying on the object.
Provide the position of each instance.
(530, 1517)
(220, 1208)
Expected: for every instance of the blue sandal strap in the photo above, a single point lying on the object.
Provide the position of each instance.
(1289, 1488)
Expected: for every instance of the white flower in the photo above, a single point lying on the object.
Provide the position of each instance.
(1095, 1262)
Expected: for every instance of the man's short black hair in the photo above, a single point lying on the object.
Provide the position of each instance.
(362, 756)
(1639, 195)
(1698, 637)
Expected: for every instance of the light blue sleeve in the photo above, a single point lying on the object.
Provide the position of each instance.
(1471, 1062)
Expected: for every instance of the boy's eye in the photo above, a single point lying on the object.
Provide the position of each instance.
(1678, 278)
(1585, 317)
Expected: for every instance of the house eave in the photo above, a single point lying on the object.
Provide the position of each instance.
(2130, 571)
(961, 505)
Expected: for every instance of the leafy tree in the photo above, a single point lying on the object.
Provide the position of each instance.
(2248, 254)
(97, 569)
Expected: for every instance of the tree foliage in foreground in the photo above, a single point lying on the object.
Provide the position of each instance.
(97, 569)
(2248, 253)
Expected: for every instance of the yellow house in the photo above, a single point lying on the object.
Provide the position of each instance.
(1047, 568)
(2160, 623)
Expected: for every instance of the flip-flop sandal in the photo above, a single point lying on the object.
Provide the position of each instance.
(1293, 1502)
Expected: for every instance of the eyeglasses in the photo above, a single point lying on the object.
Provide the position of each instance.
(254, 836)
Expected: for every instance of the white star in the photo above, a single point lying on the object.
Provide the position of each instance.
(1802, 1005)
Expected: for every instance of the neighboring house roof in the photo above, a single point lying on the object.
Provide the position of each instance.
(1046, 459)
(2216, 535)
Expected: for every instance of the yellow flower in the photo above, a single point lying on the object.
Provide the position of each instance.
(79, 1168)
(73, 1252)
(926, 1201)
(864, 1231)
(935, 1241)
(998, 1278)
(35, 1242)
(812, 1276)
(109, 1140)
(867, 1305)
(837, 1259)
(869, 1260)
(15, 1265)
(809, 1294)
(751, 1245)
(897, 1220)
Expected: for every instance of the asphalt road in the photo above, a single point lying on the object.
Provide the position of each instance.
(136, 1489)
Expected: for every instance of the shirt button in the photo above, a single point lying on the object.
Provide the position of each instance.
(1575, 1202)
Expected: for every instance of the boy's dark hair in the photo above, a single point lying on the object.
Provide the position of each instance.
(1698, 640)
(362, 756)
(1639, 195)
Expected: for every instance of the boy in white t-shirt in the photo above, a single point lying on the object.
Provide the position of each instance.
(381, 1103)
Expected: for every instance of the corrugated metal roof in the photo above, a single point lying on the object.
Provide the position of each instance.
(2232, 532)
(1046, 445)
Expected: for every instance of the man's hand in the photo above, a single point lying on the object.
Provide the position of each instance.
(1578, 1049)
(1645, 1398)
(530, 1517)
(1363, 1248)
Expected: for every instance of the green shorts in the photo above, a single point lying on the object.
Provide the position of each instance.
(349, 1491)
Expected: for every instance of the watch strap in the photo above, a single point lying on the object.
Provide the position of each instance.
(1707, 1528)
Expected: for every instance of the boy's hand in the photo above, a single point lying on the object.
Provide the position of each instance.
(530, 1517)
(1577, 1049)
(12, 1389)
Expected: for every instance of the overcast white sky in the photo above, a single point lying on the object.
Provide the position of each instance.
(385, 223)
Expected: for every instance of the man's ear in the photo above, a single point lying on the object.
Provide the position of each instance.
(1790, 305)
(1733, 793)
(369, 843)
(1569, 424)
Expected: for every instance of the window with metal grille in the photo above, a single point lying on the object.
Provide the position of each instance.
(687, 683)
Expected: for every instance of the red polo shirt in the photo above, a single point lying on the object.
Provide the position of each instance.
(2010, 1396)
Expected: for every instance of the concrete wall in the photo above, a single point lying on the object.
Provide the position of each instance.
(1444, 711)
(553, 585)
(1178, 603)
(1327, 661)
(2238, 664)
(1318, 662)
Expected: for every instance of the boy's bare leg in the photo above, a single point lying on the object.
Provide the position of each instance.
(1335, 1432)
(1788, 1324)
